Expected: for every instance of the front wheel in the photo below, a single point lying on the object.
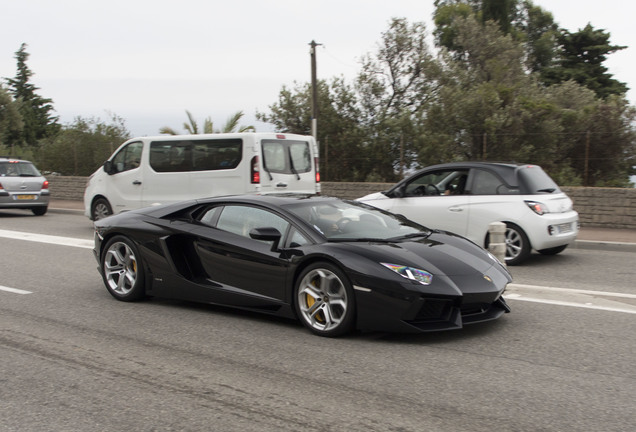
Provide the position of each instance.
(100, 209)
(324, 300)
(122, 269)
(517, 245)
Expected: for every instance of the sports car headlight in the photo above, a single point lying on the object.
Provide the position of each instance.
(414, 274)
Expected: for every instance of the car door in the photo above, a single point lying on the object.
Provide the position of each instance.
(436, 199)
(124, 186)
(247, 269)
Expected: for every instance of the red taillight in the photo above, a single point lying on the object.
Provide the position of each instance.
(280, 136)
(1, 186)
(45, 185)
(317, 169)
(255, 174)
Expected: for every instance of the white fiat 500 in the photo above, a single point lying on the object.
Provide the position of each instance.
(464, 198)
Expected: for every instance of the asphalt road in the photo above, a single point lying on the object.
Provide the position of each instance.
(75, 359)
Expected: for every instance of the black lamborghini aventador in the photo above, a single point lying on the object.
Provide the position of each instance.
(335, 265)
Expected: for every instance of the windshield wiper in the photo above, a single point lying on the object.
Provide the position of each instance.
(548, 190)
(291, 164)
(267, 169)
(413, 235)
(361, 240)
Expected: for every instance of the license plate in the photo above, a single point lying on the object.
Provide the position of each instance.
(26, 197)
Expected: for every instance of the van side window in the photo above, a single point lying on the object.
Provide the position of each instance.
(195, 155)
(128, 158)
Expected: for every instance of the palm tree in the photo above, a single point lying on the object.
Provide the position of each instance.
(232, 125)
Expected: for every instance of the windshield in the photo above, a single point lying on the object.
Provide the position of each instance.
(536, 180)
(286, 157)
(352, 221)
(18, 169)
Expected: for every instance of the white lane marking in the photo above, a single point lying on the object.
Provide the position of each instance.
(571, 297)
(43, 238)
(14, 290)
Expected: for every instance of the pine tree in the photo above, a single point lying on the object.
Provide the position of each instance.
(36, 111)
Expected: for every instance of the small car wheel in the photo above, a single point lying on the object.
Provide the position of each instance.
(517, 245)
(100, 209)
(122, 269)
(324, 300)
(39, 211)
(553, 251)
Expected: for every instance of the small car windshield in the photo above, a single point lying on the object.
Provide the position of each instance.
(352, 221)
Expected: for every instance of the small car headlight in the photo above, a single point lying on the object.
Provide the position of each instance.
(414, 274)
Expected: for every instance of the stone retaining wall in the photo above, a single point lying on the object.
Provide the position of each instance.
(597, 207)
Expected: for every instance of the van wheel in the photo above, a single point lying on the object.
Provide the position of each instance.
(100, 209)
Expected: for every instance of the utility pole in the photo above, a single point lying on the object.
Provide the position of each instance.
(587, 159)
(314, 91)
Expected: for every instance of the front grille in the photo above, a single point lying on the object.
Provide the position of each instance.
(434, 310)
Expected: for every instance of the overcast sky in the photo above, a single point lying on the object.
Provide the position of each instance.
(149, 61)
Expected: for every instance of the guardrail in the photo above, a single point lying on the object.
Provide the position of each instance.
(597, 207)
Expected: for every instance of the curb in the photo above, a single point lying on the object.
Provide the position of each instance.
(604, 245)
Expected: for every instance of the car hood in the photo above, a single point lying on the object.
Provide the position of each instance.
(373, 196)
(440, 254)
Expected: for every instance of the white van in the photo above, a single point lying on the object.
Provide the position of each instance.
(163, 169)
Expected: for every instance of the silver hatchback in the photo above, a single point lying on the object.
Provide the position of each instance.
(22, 186)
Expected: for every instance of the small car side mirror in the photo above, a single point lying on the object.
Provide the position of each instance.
(267, 234)
(397, 193)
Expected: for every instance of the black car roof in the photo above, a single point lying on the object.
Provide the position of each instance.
(506, 170)
(272, 200)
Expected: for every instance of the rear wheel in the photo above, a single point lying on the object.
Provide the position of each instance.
(553, 251)
(100, 209)
(517, 245)
(122, 269)
(324, 300)
(39, 211)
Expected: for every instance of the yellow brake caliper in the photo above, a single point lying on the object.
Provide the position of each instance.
(310, 302)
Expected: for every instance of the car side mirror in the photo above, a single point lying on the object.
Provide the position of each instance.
(267, 234)
(398, 193)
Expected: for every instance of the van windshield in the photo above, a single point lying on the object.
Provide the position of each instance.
(286, 157)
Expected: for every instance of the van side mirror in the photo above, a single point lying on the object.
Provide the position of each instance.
(108, 167)
(267, 234)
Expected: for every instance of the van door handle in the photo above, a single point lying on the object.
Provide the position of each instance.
(455, 209)
(281, 185)
(136, 182)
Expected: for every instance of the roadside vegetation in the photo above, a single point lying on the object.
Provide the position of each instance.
(502, 81)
